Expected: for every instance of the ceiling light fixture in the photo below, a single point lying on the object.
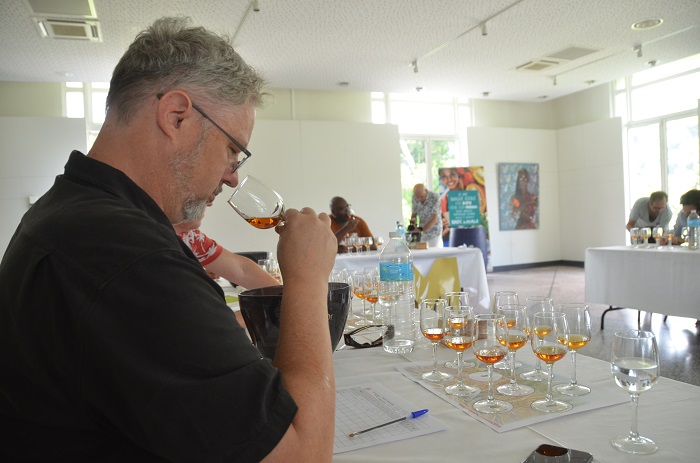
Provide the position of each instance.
(554, 80)
(652, 63)
(486, 94)
(414, 63)
(484, 31)
(638, 50)
(647, 24)
(256, 5)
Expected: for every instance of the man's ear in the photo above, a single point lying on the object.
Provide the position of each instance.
(173, 110)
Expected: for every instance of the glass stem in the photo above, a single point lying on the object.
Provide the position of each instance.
(435, 357)
(538, 364)
(512, 369)
(634, 434)
(549, 381)
(573, 368)
(489, 368)
(459, 367)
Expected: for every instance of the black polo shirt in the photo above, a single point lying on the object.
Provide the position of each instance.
(114, 343)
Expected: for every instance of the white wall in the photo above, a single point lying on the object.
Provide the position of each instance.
(310, 162)
(591, 187)
(489, 146)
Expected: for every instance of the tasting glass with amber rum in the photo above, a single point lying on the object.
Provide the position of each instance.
(515, 338)
(500, 298)
(459, 327)
(453, 299)
(489, 329)
(550, 342)
(635, 368)
(578, 319)
(257, 203)
(536, 304)
(432, 325)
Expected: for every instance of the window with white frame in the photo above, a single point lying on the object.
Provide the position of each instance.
(86, 100)
(659, 107)
(433, 133)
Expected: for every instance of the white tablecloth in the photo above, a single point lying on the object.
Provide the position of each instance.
(654, 279)
(667, 414)
(470, 263)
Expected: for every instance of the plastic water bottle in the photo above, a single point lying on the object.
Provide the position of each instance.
(693, 231)
(397, 295)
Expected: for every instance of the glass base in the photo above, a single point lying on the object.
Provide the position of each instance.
(639, 445)
(492, 406)
(515, 390)
(436, 376)
(550, 406)
(453, 364)
(462, 390)
(535, 375)
(573, 390)
(505, 365)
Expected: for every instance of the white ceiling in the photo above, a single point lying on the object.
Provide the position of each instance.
(370, 44)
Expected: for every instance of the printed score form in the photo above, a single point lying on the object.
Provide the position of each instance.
(362, 406)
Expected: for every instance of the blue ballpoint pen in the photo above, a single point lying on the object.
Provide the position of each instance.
(415, 414)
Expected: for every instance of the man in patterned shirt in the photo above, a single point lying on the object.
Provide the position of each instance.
(426, 206)
(221, 262)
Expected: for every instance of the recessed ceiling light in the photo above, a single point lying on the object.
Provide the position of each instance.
(647, 24)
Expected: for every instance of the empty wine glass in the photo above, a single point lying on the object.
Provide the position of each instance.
(578, 319)
(550, 343)
(488, 329)
(257, 203)
(500, 298)
(456, 299)
(459, 336)
(536, 304)
(635, 368)
(432, 325)
(515, 338)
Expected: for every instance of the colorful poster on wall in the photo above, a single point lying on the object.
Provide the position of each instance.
(518, 196)
(462, 199)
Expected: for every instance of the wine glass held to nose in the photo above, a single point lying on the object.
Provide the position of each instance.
(258, 204)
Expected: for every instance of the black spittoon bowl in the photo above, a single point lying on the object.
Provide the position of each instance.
(261, 311)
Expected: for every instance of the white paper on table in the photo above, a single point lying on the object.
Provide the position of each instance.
(365, 405)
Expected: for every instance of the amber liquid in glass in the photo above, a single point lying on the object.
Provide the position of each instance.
(264, 222)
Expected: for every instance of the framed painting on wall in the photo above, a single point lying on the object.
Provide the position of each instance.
(518, 196)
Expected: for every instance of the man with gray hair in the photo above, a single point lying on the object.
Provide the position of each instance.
(115, 344)
(653, 211)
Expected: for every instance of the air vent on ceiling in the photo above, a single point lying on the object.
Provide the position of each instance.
(63, 8)
(537, 65)
(77, 29)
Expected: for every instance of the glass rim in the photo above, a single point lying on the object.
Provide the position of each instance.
(634, 334)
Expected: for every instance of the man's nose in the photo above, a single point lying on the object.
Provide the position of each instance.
(230, 178)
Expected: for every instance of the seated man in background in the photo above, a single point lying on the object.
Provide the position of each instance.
(344, 222)
(650, 212)
(690, 200)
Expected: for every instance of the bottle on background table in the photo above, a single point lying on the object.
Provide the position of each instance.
(693, 231)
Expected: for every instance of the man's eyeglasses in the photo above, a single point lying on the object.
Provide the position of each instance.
(350, 340)
(246, 154)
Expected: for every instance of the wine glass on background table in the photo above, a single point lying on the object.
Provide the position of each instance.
(658, 235)
(536, 304)
(456, 299)
(578, 319)
(516, 337)
(550, 342)
(635, 368)
(646, 234)
(634, 236)
(432, 325)
(488, 330)
(257, 203)
(459, 336)
(500, 298)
